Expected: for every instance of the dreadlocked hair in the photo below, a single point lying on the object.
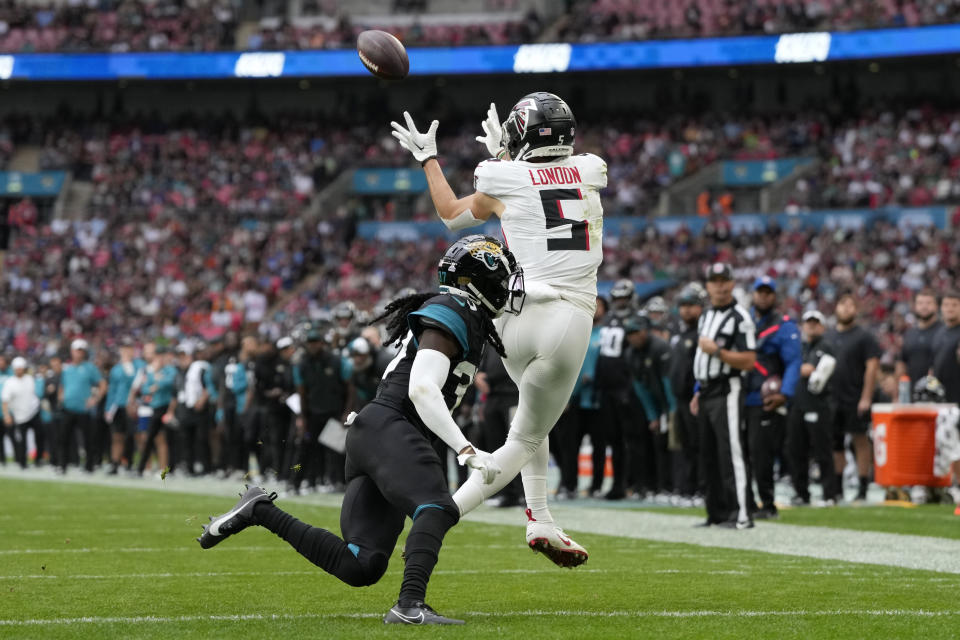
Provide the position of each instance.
(398, 310)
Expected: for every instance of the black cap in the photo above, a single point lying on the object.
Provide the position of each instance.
(719, 270)
(637, 322)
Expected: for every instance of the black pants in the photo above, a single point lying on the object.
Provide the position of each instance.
(763, 435)
(655, 467)
(721, 452)
(68, 425)
(497, 413)
(309, 461)
(619, 415)
(18, 434)
(573, 425)
(234, 454)
(392, 472)
(810, 435)
(194, 435)
(687, 461)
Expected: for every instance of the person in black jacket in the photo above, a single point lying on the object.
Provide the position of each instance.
(612, 383)
(809, 424)
(648, 356)
(322, 380)
(683, 345)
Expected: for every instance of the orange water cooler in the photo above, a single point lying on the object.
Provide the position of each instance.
(904, 441)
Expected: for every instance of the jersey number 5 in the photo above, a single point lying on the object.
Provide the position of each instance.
(553, 212)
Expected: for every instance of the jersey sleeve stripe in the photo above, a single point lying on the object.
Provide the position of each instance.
(449, 319)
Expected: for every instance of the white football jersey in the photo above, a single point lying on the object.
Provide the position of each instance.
(553, 221)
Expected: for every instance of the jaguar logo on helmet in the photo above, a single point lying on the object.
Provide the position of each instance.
(482, 269)
(488, 253)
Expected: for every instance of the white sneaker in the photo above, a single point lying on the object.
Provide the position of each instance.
(551, 541)
(954, 492)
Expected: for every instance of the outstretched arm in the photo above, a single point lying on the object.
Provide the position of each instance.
(478, 206)
(456, 213)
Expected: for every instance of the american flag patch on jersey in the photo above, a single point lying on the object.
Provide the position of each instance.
(546, 131)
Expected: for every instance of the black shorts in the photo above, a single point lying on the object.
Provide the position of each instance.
(847, 420)
(120, 423)
(385, 446)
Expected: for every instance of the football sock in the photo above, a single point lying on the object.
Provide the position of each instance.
(423, 547)
(840, 485)
(534, 475)
(864, 483)
(354, 566)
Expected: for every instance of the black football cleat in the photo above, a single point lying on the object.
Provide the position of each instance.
(235, 520)
(418, 613)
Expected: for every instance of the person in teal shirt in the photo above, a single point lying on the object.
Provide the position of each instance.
(157, 391)
(81, 387)
(121, 379)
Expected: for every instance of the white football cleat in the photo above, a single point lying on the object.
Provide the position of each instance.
(551, 541)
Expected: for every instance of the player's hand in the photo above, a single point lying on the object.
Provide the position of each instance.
(654, 426)
(423, 146)
(863, 407)
(7, 420)
(695, 404)
(493, 139)
(774, 401)
(481, 461)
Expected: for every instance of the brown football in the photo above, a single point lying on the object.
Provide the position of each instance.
(383, 55)
(770, 386)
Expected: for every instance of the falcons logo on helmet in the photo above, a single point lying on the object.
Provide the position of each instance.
(521, 112)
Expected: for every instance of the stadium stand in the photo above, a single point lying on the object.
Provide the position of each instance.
(175, 25)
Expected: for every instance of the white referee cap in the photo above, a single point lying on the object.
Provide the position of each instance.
(813, 314)
(19, 363)
(79, 343)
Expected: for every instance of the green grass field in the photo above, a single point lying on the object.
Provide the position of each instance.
(87, 561)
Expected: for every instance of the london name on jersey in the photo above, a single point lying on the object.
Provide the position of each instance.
(555, 175)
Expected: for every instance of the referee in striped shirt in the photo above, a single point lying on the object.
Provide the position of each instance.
(726, 348)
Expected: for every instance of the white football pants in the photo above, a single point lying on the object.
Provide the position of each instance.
(545, 346)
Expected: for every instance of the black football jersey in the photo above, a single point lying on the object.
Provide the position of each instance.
(612, 371)
(460, 318)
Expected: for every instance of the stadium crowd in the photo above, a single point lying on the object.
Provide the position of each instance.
(185, 25)
(196, 233)
(245, 414)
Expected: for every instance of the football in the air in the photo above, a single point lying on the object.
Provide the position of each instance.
(770, 386)
(383, 55)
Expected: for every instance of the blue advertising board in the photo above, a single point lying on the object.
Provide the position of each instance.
(388, 181)
(852, 219)
(42, 183)
(531, 58)
(749, 173)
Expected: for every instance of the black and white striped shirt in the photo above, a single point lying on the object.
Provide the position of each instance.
(732, 328)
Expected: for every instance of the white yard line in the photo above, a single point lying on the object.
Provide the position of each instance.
(876, 613)
(866, 547)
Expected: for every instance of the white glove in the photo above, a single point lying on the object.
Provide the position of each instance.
(494, 138)
(482, 462)
(423, 146)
